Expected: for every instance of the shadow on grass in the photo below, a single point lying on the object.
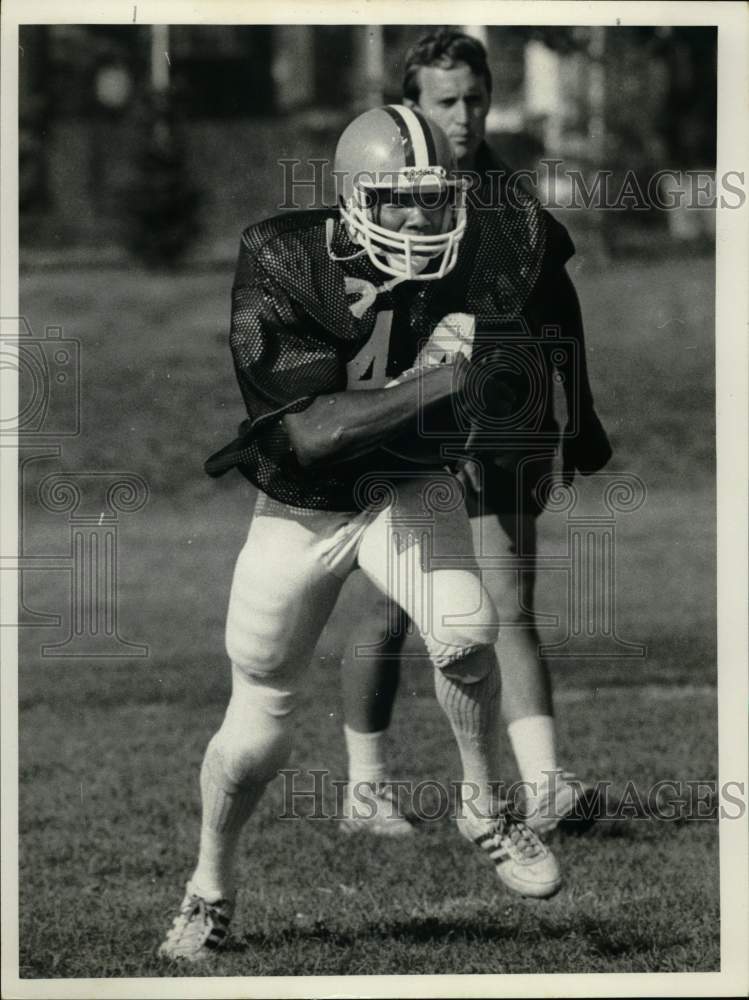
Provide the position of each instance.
(604, 937)
(632, 813)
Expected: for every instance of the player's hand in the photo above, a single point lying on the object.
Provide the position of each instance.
(460, 372)
(469, 476)
(587, 451)
(487, 395)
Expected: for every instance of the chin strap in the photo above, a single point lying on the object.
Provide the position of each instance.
(366, 290)
(329, 230)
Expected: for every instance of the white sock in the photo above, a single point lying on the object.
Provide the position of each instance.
(534, 747)
(226, 808)
(472, 712)
(367, 758)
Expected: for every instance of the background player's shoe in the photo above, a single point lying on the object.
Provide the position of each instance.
(199, 930)
(377, 812)
(563, 801)
(523, 863)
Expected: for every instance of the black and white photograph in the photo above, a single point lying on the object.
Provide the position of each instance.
(374, 451)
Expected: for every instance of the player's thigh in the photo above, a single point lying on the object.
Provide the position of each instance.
(282, 594)
(422, 558)
(505, 548)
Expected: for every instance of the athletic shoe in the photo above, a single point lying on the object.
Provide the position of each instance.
(523, 862)
(199, 930)
(375, 810)
(563, 801)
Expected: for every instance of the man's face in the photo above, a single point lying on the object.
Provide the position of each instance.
(458, 101)
(411, 215)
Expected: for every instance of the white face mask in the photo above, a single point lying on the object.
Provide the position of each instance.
(398, 262)
(405, 255)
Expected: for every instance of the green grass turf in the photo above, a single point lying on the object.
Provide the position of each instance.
(110, 749)
(110, 815)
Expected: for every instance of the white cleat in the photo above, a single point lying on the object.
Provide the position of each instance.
(562, 800)
(199, 930)
(523, 862)
(374, 809)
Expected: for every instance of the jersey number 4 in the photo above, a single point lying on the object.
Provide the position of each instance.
(367, 370)
(453, 334)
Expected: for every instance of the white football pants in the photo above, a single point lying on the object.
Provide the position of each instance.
(417, 549)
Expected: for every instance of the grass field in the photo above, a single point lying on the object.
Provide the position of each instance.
(110, 749)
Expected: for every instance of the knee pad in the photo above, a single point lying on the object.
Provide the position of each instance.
(472, 666)
(259, 694)
(256, 652)
(256, 736)
(463, 623)
(478, 667)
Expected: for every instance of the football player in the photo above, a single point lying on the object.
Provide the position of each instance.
(448, 80)
(333, 314)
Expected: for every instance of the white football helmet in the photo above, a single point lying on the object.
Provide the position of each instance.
(395, 149)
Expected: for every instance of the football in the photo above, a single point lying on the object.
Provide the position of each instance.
(440, 429)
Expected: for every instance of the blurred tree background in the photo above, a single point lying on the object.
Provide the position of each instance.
(164, 142)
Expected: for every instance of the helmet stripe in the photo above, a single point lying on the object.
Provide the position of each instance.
(419, 148)
(428, 136)
(408, 148)
(414, 125)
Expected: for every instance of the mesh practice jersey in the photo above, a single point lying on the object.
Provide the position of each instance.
(302, 325)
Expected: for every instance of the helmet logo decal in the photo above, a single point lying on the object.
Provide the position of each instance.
(415, 174)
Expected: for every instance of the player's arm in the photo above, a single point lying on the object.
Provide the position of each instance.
(570, 318)
(586, 446)
(340, 426)
(292, 373)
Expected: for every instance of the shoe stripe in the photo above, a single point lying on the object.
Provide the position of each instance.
(199, 927)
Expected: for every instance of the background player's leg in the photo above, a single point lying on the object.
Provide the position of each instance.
(527, 705)
(370, 673)
(454, 616)
(526, 683)
(371, 670)
(458, 623)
